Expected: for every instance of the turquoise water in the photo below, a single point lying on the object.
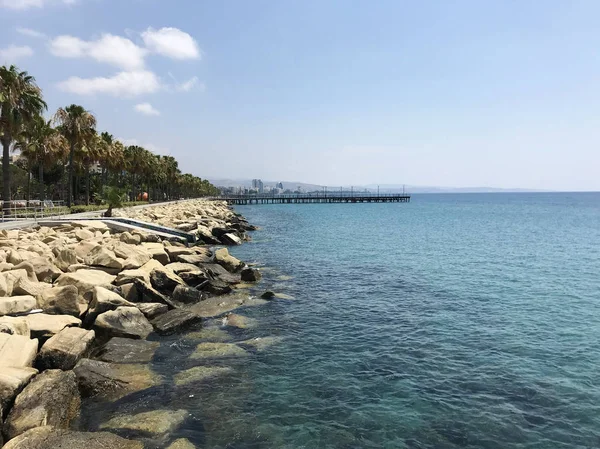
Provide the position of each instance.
(455, 321)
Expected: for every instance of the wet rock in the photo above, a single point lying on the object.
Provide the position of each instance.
(230, 239)
(176, 320)
(126, 322)
(17, 351)
(104, 300)
(60, 301)
(217, 287)
(181, 443)
(165, 281)
(51, 398)
(48, 437)
(17, 304)
(239, 321)
(250, 275)
(268, 295)
(152, 309)
(217, 350)
(44, 326)
(126, 350)
(12, 381)
(112, 381)
(65, 349)
(227, 261)
(260, 343)
(210, 334)
(14, 326)
(155, 423)
(187, 295)
(199, 374)
(216, 271)
(217, 306)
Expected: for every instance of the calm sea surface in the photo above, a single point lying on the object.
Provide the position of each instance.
(455, 321)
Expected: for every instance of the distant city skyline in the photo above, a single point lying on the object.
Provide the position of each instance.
(495, 94)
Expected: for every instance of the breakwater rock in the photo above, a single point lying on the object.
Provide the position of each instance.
(78, 302)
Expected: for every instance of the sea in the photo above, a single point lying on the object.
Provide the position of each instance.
(453, 321)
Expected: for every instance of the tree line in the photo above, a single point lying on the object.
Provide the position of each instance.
(69, 152)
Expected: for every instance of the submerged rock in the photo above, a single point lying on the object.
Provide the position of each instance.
(217, 350)
(126, 350)
(199, 374)
(181, 443)
(48, 437)
(239, 321)
(213, 334)
(65, 349)
(50, 399)
(112, 381)
(155, 423)
(260, 343)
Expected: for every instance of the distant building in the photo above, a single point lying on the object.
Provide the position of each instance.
(279, 185)
(258, 185)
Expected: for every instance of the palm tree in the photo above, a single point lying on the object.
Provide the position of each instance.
(76, 124)
(135, 163)
(20, 101)
(42, 145)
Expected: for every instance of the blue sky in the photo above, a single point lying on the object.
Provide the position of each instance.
(462, 93)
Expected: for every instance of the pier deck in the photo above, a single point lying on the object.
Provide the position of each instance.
(311, 198)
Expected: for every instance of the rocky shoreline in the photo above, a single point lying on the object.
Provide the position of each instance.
(78, 302)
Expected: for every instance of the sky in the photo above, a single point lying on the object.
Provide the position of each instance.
(434, 93)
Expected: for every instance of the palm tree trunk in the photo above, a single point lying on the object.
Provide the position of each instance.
(70, 183)
(6, 175)
(28, 186)
(41, 181)
(87, 186)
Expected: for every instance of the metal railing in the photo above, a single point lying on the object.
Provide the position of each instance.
(33, 210)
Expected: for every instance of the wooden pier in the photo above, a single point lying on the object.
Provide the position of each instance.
(312, 198)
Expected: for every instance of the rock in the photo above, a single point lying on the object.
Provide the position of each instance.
(28, 267)
(176, 320)
(250, 275)
(126, 350)
(129, 292)
(216, 271)
(152, 309)
(268, 295)
(147, 293)
(180, 267)
(65, 258)
(45, 271)
(130, 239)
(210, 334)
(227, 261)
(230, 239)
(217, 350)
(174, 251)
(217, 287)
(48, 437)
(85, 281)
(260, 343)
(83, 249)
(24, 286)
(154, 423)
(126, 322)
(65, 349)
(17, 350)
(12, 381)
(51, 398)
(158, 253)
(14, 326)
(152, 265)
(199, 374)
(104, 258)
(187, 295)
(239, 321)
(3, 287)
(11, 277)
(136, 260)
(193, 278)
(165, 281)
(83, 234)
(44, 326)
(17, 304)
(219, 232)
(112, 381)
(217, 306)
(195, 258)
(60, 301)
(104, 300)
(93, 225)
(128, 276)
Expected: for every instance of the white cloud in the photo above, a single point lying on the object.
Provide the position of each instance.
(171, 42)
(110, 49)
(146, 109)
(127, 84)
(149, 146)
(14, 52)
(189, 85)
(26, 4)
(31, 33)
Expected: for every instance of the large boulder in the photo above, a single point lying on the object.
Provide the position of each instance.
(126, 350)
(131, 239)
(83, 234)
(181, 267)
(104, 300)
(147, 293)
(45, 270)
(11, 277)
(187, 295)
(250, 275)
(155, 423)
(126, 322)
(52, 398)
(193, 278)
(28, 267)
(112, 381)
(128, 276)
(48, 437)
(151, 309)
(165, 281)
(60, 301)
(176, 320)
(104, 258)
(230, 239)
(135, 256)
(17, 351)
(65, 257)
(157, 251)
(83, 249)
(24, 286)
(14, 326)
(175, 251)
(44, 326)
(12, 381)
(207, 350)
(65, 349)
(195, 258)
(17, 304)
(85, 281)
(227, 261)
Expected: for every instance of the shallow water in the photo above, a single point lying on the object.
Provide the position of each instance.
(455, 321)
